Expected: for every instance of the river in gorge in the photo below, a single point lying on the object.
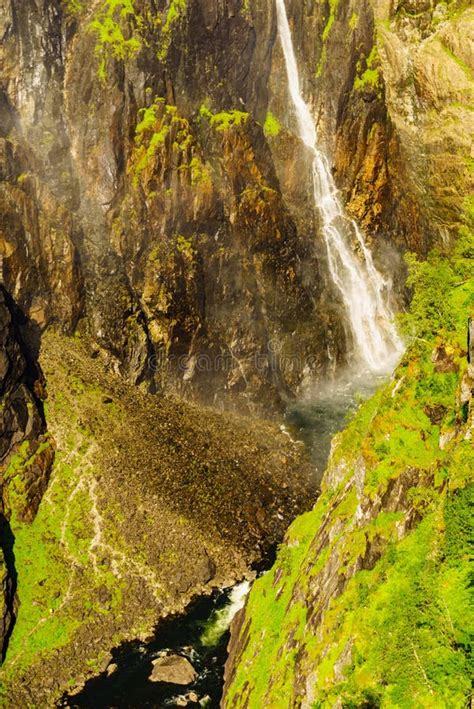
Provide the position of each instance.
(201, 635)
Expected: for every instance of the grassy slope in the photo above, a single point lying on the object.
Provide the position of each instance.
(369, 602)
(150, 502)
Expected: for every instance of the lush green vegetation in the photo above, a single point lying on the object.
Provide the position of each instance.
(370, 75)
(121, 31)
(175, 14)
(394, 528)
(333, 6)
(245, 10)
(441, 285)
(224, 120)
(111, 26)
(272, 126)
(409, 619)
(150, 133)
(161, 128)
(75, 7)
(52, 552)
(354, 21)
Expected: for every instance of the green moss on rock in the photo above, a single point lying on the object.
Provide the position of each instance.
(163, 137)
(115, 38)
(228, 119)
(370, 76)
(333, 6)
(272, 126)
(174, 15)
(369, 602)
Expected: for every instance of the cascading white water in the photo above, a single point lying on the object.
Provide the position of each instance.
(363, 289)
(220, 620)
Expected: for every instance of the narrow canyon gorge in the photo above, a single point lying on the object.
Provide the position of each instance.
(236, 353)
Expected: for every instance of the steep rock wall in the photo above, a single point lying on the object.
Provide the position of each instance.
(369, 601)
(392, 90)
(26, 453)
(155, 194)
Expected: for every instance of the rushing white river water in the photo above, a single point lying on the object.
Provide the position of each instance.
(200, 635)
(364, 291)
(221, 619)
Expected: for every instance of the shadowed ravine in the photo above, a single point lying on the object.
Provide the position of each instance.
(7, 545)
(201, 635)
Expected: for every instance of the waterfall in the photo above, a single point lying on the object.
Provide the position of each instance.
(364, 291)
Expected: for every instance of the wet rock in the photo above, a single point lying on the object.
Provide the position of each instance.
(111, 669)
(173, 669)
(187, 699)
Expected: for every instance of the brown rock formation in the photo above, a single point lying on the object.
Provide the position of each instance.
(137, 203)
(174, 669)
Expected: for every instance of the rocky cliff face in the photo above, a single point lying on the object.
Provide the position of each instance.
(25, 451)
(153, 189)
(156, 204)
(393, 87)
(162, 215)
(369, 602)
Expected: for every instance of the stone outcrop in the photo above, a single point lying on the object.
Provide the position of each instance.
(173, 669)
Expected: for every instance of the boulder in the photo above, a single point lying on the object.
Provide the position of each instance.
(173, 669)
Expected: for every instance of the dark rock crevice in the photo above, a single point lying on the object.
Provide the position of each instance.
(9, 577)
(22, 435)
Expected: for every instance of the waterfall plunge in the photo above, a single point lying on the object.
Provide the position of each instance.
(363, 289)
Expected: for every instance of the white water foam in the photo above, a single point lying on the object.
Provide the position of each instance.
(220, 620)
